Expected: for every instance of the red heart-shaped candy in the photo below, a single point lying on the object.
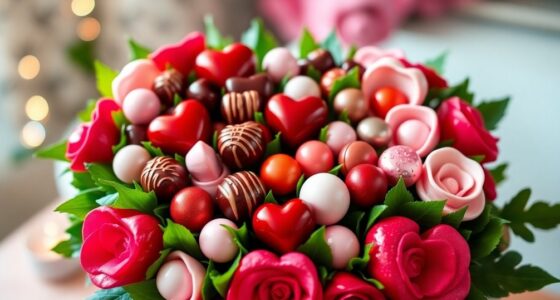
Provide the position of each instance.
(298, 120)
(178, 132)
(180, 56)
(285, 227)
(217, 66)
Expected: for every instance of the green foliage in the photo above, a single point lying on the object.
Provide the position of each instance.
(240, 237)
(153, 150)
(259, 118)
(102, 175)
(374, 214)
(307, 43)
(360, 263)
(313, 73)
(214, 38)
(56, 151)
(178, 237)
(499, 173)
(137, 51)
(484, 242)
(350, 80)
(323, 134)
(72, 246)
(259, 39)
(154, 267)
(82, 203)
(270, 198)
(437, 96)
(437, 63)
(332, 44)
(104, 76)
(335, 170)
(145, 290)
(455, 218)
(493, 111)
(217, 282)
(274, 146)
(132, 198)
(122, 140)
(317, 249)
(299, 184)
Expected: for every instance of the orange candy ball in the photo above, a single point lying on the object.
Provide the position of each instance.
(386, 98)
(280, 173)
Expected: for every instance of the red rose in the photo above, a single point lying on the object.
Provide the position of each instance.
(93, 141)
(345, 286)
(433, 265)
(463, 124)
(119, 246)
(489, 186)
(433, 78)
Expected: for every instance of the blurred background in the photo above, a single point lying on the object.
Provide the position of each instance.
(511, 48)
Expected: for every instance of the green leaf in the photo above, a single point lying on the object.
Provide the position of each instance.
(332, 44)
(483, 243)
(360, 263)
(259, 118)
(299, 184)
(82, 203)
(162, 213)
(499, 276)
(351, 52)
(344, 117)
(122, 140)
(82, 181)
(133, 198)
(104, 76)
(334, 171)
(274, 146)
(145, 290)
(313, 73)
(476, 294)
(55, 151)
(437, 96)
(180, 159)
(374, 214)
(317, 249)
(118, 293)
(323, 134)
(101, 174)
(177, 99)
(499, 173)
(221, 281)
(259, 39)
(208, 290)
(153, 150)
(307, 43)
(493, 111)
(350, 80)
(425, 213)
(353, 221)
(85, 114)
(214, 38)
(177, 236)
(478, 158)
(154, 267)
(215, 140)
(437, 63)
(455, 218)
(478, 224)
(240, 236)
(82, 54)
(396, 197)
(270, 198)
(72, 246)
(137, 51)
(108, 199)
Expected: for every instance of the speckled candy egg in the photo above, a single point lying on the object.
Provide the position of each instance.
(401, 161)
(141, 106)
(314, 157)
(356, 153)
(279, 63)
(343, 243)
(328, 197)
(216, 242)
(300, 87)
(129, 163)
(375, 131)
(339, 134)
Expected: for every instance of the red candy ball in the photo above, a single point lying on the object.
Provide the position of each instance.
(356, 153)
(280, 173)
(192, 207)
(367, 185)
(386, 98)
(314, 157)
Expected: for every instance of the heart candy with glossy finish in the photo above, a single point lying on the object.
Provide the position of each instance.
(182, 55)
(259, 82)
(285, 227)
(298, 120)
(178, 132)
(217, 66)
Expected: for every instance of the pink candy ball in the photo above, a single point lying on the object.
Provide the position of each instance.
(279, 63)
(141, 106)
(401, 161)
(129, 163)
(413, 133)
(340, 134)
(343, 243)
(300, 87)
(174, 280)
(328, 197)
(216, 242)
(314, 157)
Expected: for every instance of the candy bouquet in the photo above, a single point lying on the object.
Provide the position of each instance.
(212, 169)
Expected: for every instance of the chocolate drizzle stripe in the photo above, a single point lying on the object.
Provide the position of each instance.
(226, 189)
(245, 185)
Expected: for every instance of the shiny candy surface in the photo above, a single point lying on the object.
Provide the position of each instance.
(135, 134)
(280, 173)
(174, 281)
(216, 243)
(300, 87)
(367, 185)
(374, 131)
(206, 93)
(356, 153)
(192, 207)
(241, 145)
(339, 134)
(385, 98)
(129, 162)
(169, 84)
(279, 63)
(217, 66)
(258, 82)
(328, 197)
(321, 59)
(353, 102)
(328, 79)
(137, 74)
(165, 176)
(314, 157)
(240, 107)
(141, 106)
(239, 195)
(343, 243)
(401, 161)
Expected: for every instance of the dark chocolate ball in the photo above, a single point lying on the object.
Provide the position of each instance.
(241, 145)
(321, 59)
(240, 107)
(169, 84)
(351, 64)
(165, 176)
(207, 93)
(239, 195)
(135, 134)
(260, 83)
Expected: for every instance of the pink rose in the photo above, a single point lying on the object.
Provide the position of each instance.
(433, 78)
(489, 186)
(345, 286)
(368, 55)
(449, 175)
(119, 246)
(435, 8)
(414, 126)
(92, 142)
(263, 275)
(434, 265)
(463, 124)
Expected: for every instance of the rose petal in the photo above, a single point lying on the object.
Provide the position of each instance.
(196, 270)
(368, 55)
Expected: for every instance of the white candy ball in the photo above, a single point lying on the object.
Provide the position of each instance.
(328, 197)
(300, 87)
(141, 106)
(343, 243)
(174, 281)
(216, 242)
(279, 63)
(129, 162)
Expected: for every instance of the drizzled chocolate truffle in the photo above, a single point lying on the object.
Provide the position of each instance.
(165, 176)
(240, 107)
(241, 145)
(239, 195)
(169, 84)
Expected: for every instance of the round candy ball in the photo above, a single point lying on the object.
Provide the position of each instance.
(315, 157)
(279, 63)
(401, 161)
(280, 173)
(173, 280)
(343, 243)
(192, 207)
(367, 185)
(141, 106)
(129, 162)
(328, 79)
(356, 153)
(353, 102)
(386, 98)
(339, 134)
(328, 197)
(300, 87)
(375, 131)
(216, 243)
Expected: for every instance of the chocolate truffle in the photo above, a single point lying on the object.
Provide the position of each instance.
(321, 59)
(165, 176)
(350, 64)
(169, 84)
(260, 83)
(136, 134)
(239, 195)
(204, 91)
(241, 145)
(240, 107)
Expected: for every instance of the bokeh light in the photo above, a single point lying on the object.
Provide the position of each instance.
(88, 29)
(82, 8)
(28, 67)
(33, 134)
(37, 108)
